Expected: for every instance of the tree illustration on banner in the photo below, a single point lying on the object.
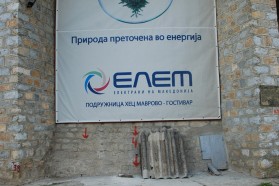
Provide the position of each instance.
(135, 5)
(135, 11)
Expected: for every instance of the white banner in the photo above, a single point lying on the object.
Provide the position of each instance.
(131, 60)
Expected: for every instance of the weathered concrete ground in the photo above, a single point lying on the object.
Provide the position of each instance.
(228, 178)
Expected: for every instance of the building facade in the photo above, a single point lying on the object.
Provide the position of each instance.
(32, 145)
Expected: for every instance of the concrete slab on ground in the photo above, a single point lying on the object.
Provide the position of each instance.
(228, 178)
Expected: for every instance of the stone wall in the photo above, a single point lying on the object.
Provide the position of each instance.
(9, 42)
(248, 42)
(109, 150)
(27, 88)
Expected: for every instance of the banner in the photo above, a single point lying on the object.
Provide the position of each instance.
(136, 60)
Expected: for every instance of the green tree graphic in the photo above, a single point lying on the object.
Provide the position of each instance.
(135, 5)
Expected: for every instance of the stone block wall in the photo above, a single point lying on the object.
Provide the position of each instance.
(9, 42)
(248, 44)
(109, 149)
(26, 88)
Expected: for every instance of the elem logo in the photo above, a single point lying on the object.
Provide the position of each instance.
(90, 87)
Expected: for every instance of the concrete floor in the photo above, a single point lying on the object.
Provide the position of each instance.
(228, 178)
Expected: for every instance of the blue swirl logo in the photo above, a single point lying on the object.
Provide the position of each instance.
(89, 87)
